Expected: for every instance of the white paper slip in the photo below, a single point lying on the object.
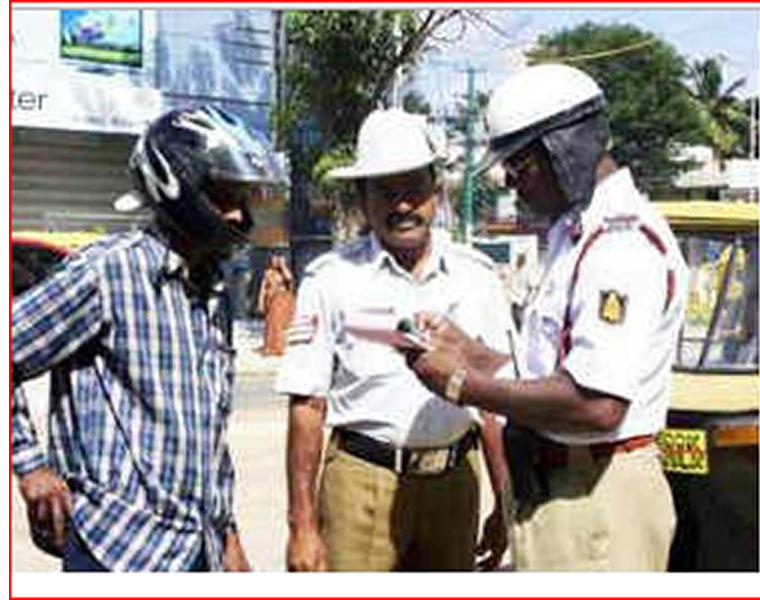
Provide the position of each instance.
(382, 327)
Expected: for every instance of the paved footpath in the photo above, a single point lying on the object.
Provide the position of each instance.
(257, 437)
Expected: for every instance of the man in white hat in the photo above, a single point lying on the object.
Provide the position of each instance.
(600, 338)
(399, 488)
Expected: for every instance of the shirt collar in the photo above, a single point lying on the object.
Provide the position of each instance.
(616, 193)
(174, 266)
(608, 194)
(380, 258)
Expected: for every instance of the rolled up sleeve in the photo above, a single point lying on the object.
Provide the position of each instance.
(308, 362)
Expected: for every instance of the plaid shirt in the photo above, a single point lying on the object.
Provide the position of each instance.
(140, 398)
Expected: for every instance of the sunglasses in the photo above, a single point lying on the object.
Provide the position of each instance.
(394, 196)
(520, 166)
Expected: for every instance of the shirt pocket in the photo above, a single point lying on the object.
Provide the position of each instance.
(363, 358)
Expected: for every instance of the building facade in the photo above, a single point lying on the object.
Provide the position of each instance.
(85, 82)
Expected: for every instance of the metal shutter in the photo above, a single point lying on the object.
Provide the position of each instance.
(67, 180)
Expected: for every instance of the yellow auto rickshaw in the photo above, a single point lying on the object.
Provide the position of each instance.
(710, 450)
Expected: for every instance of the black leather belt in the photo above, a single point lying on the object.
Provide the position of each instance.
(405, 461)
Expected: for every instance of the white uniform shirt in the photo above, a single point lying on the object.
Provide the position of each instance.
(622, 340)
(368, 385)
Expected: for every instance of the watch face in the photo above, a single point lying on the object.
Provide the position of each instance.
(455, 384)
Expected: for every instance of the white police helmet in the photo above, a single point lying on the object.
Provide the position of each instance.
(563, 108)
(389, 142)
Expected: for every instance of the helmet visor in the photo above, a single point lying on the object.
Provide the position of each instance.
(250, 160)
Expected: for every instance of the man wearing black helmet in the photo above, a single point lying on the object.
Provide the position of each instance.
(137, 332)
(599, 338)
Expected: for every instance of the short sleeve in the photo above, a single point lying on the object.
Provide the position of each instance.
(306, 368)
(618, 300)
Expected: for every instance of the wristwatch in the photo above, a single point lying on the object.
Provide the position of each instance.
(454, 386)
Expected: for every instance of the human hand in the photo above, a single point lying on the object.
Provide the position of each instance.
(233, 555)
(306, 551)
(438, 330)
(434, 368)
(493, 542)
(48, 506)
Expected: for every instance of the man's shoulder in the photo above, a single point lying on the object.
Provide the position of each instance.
(353, 253)
(469, 257)
(114, 247)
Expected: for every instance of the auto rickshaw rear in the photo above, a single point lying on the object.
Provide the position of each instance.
(710, 449)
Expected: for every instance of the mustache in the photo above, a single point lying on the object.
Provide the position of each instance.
(396, 218)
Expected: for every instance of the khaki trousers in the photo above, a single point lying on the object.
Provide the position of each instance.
(375, 520)
(611, 514)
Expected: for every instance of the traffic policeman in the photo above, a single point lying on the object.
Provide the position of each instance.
(399, 489)
(599, 338)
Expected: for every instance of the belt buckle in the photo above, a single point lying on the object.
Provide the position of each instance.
(428, 462)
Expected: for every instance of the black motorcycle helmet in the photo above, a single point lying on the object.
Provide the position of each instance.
(175, 163)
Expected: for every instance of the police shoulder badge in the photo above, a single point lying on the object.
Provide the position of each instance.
(612, 306)
(302, 330)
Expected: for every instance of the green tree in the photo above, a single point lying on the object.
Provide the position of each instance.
(724, 117)
(643, 78)
(338, 66)
(341, 64)
(414, 102)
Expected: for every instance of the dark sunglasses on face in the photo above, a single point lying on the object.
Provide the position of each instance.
(394, 196)
(520, 166)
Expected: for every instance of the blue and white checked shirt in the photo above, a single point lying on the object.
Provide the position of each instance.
(140, 398)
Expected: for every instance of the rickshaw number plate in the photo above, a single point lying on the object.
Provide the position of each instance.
(684, 451)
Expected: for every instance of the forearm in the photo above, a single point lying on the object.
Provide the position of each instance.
(304, 455)
(554, 402)
(483, 359)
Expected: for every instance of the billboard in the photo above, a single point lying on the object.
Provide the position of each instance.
(103, 36)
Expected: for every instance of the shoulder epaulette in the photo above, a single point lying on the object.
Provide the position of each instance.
(621, 222)
(320, 262)
(474, 255)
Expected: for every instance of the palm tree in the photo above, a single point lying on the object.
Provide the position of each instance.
(721, 111)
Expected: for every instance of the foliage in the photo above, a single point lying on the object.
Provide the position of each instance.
(724, 119)
(414, 102)
(338, 198)
(338, 66)
(651, 111)
(749, 144)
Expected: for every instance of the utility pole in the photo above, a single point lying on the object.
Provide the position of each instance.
(467, 183)
(397, 75)
(279, 76)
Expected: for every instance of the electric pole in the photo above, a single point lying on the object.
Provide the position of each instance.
(466, 223)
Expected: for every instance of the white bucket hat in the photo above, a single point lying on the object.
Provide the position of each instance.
(390, 141)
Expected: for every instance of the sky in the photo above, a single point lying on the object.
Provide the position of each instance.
(695, 33)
